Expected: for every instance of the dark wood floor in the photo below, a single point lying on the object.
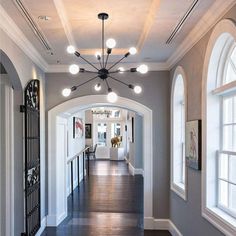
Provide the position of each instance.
(108, 203)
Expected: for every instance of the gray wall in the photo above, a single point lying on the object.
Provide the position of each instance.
(135, 154)
(138, 142)
(187, 215)
(137, 147)
(155, 96)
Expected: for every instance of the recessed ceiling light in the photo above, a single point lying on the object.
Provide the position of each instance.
(46, 18)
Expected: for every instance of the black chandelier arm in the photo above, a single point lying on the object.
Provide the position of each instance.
(77, 86)
(108, 87)
(103, 43)
(128, 85)
(79, 55)
(114, 72)
(89, 71)
(118, 71)
(99, 59)
(125, 56)
(106, 60)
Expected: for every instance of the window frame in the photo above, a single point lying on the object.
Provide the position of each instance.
(222, 150)
(214, 68)
(179, 188)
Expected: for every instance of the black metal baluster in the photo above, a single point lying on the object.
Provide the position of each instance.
(78, 169)
(71, 175)
(83, 166)
(88, 159)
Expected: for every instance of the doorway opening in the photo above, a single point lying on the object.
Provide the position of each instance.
(11, 149)
(57, 204)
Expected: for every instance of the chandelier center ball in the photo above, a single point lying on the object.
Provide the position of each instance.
(103, 16)
(103, 73)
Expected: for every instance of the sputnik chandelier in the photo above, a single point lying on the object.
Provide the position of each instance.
(104, 72)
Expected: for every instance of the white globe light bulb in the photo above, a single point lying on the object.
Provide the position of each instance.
(70, 49)
(98, 54)
(132, 50)
(121, 69)
(137, 89)
(74, 69)
(111, 43)
(97, 87)
(143, 69)
(66, 92)
(112, 97)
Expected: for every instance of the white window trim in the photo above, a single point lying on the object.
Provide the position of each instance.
(231, 213)
(221, 220)
(178, 188)
(226, 90)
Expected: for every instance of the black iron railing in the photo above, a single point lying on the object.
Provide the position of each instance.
(84, 155)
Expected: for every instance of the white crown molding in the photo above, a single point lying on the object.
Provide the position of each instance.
(64, 21)
(211, 17)
(153, 66)
(13, 31)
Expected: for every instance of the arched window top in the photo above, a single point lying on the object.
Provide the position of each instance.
(179, 81)
(230, 67)
(220, 52)
(179, 88)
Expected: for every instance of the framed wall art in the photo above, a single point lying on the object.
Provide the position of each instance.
(88, 131)
(78, 127)
(193, 144)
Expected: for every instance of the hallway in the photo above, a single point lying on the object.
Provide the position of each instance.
(109, 202)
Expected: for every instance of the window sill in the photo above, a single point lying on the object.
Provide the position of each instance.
(221, 220)
(179, 189)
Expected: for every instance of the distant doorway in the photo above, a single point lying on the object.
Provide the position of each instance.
(55, 173)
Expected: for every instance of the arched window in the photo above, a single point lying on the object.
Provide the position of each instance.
(178, 118)
(226, 176)
(219, 129)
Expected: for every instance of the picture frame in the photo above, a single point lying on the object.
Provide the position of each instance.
(78, 127)
(88, 131)
(193, 144)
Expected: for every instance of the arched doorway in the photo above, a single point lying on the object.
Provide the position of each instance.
(12, 148)
(57, 169)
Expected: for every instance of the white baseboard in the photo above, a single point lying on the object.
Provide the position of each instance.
(138, 172)
(161, 224)
(54, 220)
(43, 226)
(174, 230)
(135, 171)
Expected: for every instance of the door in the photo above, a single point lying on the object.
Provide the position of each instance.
(32, 158)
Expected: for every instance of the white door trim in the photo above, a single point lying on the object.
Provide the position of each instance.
(83, 103)
(9, 155)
